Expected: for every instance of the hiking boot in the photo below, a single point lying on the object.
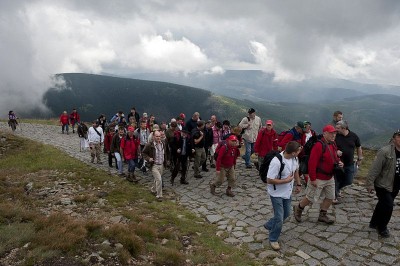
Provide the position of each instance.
(385, 233)
(184, 182)
(229, 192)
(134, 179)
(323, 217)
(198, 176)
(249, 166)
(212, 189)
(297, 212)
(275, 246)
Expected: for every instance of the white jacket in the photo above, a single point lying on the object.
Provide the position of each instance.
(250, 134)
(93, 137)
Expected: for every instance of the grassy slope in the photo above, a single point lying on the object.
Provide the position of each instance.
(57, 235)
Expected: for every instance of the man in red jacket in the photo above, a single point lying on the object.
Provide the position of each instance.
(321, 165)
(64, 122)
(266, 141)
(225, 165)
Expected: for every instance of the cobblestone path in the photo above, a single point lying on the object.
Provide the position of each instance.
(240, 219)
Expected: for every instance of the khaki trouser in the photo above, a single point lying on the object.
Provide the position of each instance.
(157, 171)
(95, 150)
(230, 175)
(199, 159)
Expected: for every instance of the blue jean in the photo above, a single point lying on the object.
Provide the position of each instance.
(346, 180)
(281, 208)
(131, 165)
(249, 151)
(64, 127)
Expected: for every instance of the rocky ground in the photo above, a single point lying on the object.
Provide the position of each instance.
(240, 219)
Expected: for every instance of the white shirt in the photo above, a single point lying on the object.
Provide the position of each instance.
(93, 137)
(282, 190)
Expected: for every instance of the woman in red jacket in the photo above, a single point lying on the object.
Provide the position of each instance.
(64, 122)
(129, 150)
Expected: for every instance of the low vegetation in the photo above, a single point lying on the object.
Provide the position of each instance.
(55, 210)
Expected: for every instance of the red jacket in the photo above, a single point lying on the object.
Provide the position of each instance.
(64, 119)
(266, 141)
(227, 157)
(321, 165)
(74, 118)
(107, 141)
(129, 147)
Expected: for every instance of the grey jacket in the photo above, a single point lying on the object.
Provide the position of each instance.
(383, 169)
(251, 133)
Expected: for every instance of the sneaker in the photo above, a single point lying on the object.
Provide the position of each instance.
(385, 233)
(275, 246)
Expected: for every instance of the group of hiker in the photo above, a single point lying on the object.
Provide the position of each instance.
(325, 162)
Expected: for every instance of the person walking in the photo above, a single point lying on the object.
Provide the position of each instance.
(225, 165)
(95, 139)
(321, 166)
(280, 185)
(155, 153)
(64, 122)
(384, 178)
(74, 119)
(347, 142)
(129, 149)
(266, 141)
(181, 148)
(115, 149)
(251, 125)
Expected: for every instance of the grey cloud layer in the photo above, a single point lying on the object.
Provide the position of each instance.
(293, 39)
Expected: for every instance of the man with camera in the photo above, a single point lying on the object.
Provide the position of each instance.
(347, 141)
(322, 164)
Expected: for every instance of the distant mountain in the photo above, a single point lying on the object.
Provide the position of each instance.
(256, 85)
(372, 117)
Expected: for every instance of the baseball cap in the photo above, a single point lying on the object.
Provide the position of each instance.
(131, 129)
(329, 128)
(307, 123)
(269, 122)
(300, 124)
(251, 110)
(232, 137)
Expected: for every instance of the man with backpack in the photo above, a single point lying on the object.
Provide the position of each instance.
(294, 134)
(227, 153)
(251, 124)
(266, 141)
(280, 179)
(321, 166)
(95, 138)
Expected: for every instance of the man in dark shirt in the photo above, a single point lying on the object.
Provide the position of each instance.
(346, 141)
(198, 139)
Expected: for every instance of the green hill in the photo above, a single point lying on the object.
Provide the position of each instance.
(372, 117)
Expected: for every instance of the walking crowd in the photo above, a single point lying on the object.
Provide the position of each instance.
(299, 157)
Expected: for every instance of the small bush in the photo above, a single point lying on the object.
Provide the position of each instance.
(121, 234)
(168, 256)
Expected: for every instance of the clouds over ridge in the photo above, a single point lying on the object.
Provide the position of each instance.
(291, 39)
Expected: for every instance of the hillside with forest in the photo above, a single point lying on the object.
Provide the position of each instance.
(372, 117)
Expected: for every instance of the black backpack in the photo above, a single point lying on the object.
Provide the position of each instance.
(307, 151)
(219, 146)
(266, 163)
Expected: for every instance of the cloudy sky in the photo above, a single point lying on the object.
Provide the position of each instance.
(356, 40)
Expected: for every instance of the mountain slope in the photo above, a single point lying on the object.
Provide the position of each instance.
(372, 117)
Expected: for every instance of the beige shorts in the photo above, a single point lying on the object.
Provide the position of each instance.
(324, 188)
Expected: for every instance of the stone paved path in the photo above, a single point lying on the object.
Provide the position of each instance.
(348, 242)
